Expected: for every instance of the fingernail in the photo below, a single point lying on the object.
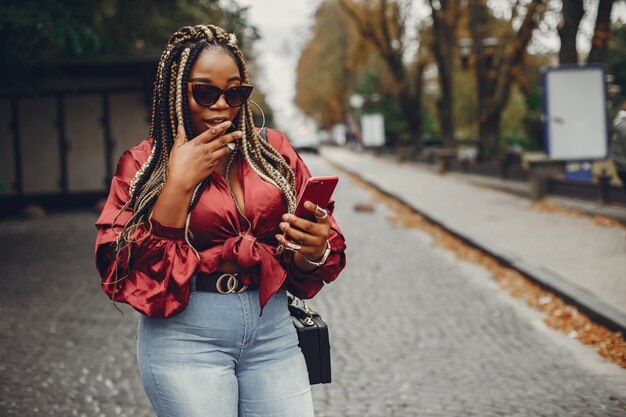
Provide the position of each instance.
(284, 225)
(294, 246)
(227, 123)
(238, 134)
(285, 217)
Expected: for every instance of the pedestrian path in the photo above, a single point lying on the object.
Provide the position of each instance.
(585, 259)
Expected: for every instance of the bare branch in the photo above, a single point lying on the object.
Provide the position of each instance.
(534, 14)
(601, 33)
(384, 23)
(363, 27)
(514, 10)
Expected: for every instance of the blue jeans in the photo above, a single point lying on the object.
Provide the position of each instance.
(220, 358)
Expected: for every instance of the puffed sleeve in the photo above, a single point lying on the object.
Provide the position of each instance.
(306, 284)
(153, 273)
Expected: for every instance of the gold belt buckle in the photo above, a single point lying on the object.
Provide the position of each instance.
(231, 282)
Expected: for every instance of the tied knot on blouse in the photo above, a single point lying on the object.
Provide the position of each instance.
(248, 252)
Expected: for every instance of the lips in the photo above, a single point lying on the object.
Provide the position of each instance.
(214, 121)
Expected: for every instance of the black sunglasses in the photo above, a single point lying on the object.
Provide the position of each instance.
(207, 95)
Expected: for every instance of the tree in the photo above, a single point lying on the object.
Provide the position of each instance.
(445, 15)
(43, 35)
(374, 83)
(324, 74)
(496, 72)
(383, 25)
(601, 33)
(571, 15)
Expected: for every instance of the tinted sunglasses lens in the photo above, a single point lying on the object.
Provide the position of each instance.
(236, 96)
(205, 95)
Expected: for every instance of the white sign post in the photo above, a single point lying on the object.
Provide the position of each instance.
(373, 129)
(575, 117)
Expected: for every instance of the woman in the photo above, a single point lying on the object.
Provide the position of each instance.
(190, 237)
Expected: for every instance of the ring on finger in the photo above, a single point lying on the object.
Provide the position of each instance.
(231, 146)
(293, 246)
(318, 209)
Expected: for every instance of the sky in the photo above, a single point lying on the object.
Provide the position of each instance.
(285, 28)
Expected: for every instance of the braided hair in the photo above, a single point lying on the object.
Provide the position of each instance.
(170, 108)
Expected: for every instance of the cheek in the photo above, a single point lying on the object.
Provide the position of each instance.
(195, 114)
(194, 109)
(233, 113)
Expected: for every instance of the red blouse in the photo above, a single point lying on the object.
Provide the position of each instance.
(162, 263)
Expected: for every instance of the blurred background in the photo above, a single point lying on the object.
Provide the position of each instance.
(419, 75)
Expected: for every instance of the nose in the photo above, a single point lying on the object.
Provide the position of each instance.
(220, 103)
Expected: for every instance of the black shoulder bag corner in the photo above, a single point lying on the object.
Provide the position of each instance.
(313, 340)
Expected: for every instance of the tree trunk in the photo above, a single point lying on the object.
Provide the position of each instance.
(602, 33)
(495, 73)
(379, 35)
(411, 103)
(478, 26)
(444, 106)
(489, 147)
(412, 107)
(444, 24)
(572, 14)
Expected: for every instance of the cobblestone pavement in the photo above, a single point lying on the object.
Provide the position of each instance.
(414, 332)
(64, 350)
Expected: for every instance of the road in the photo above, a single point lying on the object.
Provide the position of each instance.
(414, 331)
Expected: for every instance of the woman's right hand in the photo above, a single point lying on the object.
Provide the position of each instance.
(192, 161)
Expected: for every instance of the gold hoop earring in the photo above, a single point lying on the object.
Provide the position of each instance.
(262, 114)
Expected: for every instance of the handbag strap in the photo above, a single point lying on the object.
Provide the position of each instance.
(302, 312)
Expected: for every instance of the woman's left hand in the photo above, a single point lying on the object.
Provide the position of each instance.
(306, 237)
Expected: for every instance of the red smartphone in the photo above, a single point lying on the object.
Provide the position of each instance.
(317, 190)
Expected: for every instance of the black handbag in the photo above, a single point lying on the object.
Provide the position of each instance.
(313, 339)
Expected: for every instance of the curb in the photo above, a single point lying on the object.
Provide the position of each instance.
(590, 208)
(586, 302)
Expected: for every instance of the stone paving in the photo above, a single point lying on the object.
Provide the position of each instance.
(585, 254)
(64, 350)
(417, 333)
(414, 332)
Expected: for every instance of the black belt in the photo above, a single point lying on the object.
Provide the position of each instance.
(223, 283)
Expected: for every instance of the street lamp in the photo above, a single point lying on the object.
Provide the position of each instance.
(490, 45)
(357, 101)
(486, 76)
(465, 49)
